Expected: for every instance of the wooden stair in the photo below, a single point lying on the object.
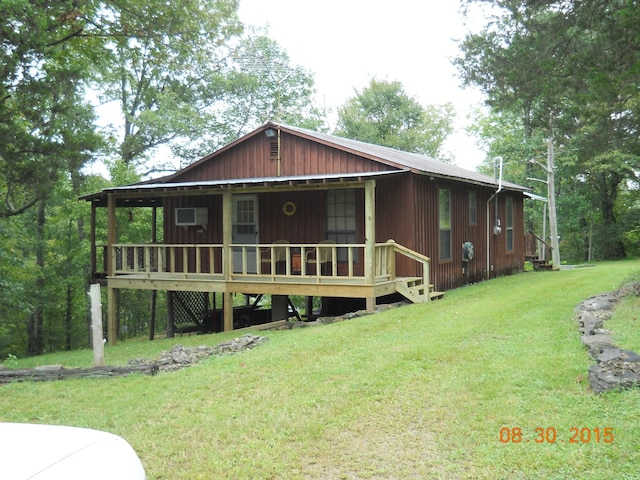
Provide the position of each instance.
(538, 263)
(413, 289)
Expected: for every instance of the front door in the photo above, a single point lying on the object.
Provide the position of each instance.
(245, 232)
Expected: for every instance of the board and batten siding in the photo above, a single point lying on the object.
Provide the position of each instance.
(257, 157)
(448, 272)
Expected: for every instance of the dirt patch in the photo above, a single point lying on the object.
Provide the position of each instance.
(374, 450)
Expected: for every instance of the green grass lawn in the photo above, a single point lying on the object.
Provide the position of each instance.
(422, 391)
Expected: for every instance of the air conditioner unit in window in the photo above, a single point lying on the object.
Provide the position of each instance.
(186, 217)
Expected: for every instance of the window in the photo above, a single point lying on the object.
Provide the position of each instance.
(341, 219)
(473, 208)
(509, 221)
(444, 208)
(244, 217)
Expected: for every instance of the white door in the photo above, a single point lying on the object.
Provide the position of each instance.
(245, 231)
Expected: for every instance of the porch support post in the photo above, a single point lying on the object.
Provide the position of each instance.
(94, 256)
(279, 307)
(112, 301)
(227, 309)
(227, 258)
(370, 238)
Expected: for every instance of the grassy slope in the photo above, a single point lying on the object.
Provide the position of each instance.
(417, 392)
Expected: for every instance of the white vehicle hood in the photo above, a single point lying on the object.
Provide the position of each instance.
(48, 452)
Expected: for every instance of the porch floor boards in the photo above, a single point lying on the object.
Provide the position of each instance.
(329, 286)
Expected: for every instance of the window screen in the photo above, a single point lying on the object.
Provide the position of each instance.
(341, 219)
(444, 208)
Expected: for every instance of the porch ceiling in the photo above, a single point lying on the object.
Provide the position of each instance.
(151, 194)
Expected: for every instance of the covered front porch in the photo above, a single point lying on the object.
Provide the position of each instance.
(362, 270)
(274, 269)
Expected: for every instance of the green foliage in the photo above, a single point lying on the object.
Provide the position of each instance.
(384, 114)
(47, 128)
(265, 86)
(175, 71)
(234, 81)
(150, 43)
(566, 71)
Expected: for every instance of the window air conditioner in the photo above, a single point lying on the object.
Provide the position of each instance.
(186, 217)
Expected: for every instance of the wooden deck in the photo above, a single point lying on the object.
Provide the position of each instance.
(335, 270)
(291, 269)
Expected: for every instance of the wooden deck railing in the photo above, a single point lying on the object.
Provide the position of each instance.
(320, 261)
(166, 258)
(386, 261)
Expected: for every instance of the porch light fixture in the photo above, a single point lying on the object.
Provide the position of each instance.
(270, 132)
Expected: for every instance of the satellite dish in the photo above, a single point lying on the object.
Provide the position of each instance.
(467, 251)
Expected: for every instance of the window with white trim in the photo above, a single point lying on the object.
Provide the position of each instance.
(444, 210)
(473, 208)
(341, 219)
(509, 222)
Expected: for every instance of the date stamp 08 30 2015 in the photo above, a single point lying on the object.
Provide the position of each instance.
(578, 435)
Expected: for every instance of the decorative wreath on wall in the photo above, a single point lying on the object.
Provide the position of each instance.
(289, 208)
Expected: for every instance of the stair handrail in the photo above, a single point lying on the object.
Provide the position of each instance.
(413, 255)
(548, 247)
(542, 241)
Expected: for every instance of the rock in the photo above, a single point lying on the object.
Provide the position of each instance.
(48, 368)
(630, 356)
(603, 378)
(180, 357)
(589, 322)
(609, 354)
(616, 368)
(245, 342)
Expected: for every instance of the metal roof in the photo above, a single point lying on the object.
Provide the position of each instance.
(420, 164)
(166, 187)
(403, 161)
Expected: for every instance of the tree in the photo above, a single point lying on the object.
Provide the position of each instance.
(569, 69)
(166, 68)
(46, 128)
(384, 114)
(193, 81)
(260, 85)
(174, 71)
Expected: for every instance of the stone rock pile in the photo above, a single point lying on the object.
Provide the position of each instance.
(616, 368)
(180, 357)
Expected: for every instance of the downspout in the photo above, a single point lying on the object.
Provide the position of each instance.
(279, 158)
(495, 195)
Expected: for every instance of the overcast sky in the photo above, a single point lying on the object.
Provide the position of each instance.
(345, 43)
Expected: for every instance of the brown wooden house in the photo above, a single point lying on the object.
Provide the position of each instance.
(288, 211)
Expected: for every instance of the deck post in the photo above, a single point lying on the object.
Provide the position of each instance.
(94, 255)
(227, 258)
(112, 299)
(279, 307)
(227, 235)
(370, 238)
(96, 325)
(227, 310)
(112, 312)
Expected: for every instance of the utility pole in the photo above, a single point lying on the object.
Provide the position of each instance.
(553, 221)
(551, 198)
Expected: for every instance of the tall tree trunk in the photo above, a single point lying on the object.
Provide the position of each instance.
(609, 183)
(36, 321)
(613, 247)
(68, 320)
